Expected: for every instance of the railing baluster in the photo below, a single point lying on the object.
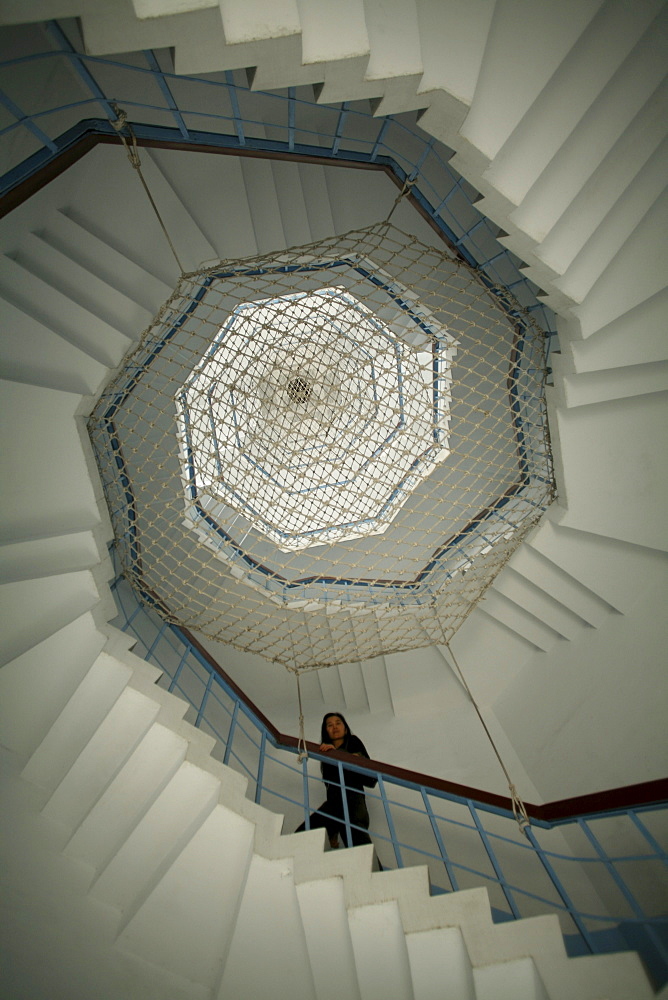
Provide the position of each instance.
(439, 840)
(260, 768)
(230, 733)
(205, 698)
(659, 944)
(654, 844)
(390, 822)
(344, 799)
(492, 857)
(177, 673)
(307, 807)
(563, 895)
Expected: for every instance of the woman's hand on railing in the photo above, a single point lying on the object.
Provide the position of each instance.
(324, 747)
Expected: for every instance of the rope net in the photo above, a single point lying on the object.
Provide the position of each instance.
(326, 454)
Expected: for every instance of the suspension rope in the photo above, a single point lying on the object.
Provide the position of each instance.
(120, 123)
(303, 752)
(408, 185)
(519, 809)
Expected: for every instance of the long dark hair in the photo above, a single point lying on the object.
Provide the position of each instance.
(324, 735)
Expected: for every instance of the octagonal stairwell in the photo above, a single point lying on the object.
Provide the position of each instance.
(82, 272)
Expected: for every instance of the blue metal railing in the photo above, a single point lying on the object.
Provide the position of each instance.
(601, 873)
(236, 120)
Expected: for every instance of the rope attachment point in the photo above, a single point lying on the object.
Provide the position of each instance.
(120, 124)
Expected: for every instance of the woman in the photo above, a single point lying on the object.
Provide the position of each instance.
(335, 735)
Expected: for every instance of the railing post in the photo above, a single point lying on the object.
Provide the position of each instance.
(344, 800)
(622, 886)
(205, 698)
(260, 767)
(177, 673)
(439, 840)
(492, 857)
(390, 823)
(563, 895)
(307, 807)
(230, 733)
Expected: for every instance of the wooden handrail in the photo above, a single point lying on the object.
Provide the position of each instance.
(610, 800)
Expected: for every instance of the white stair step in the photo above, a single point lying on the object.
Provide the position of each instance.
(136, 786)
(224, 217)
(278, 65)
(269, 912)
(601, 439)
(354, 691)
(291, 202)
(634, 275)
(35, 687)
(325, 921)
(32, 352)
(103, 756)
(641, 141)
(82, 285)
(316, 199)
(637, 337)
(612, 570)
(53, 308)
(440, 965)
(386, 60)
(157, 839)
(32, 610)
(638, 200)
(331, 34)
(581, 77)
(68, 232)
(42, 425)
(263, 203)
(516, 980)
(41, 557)
(453, 38)
(596, 136)
(377, 685)
(331, 687)
(538, 602)
(189, 241)
(535, 566)
(79, 720)
(615, 383)
(187, 922)
(400, 96)
(358, 198)
(501, 98)
(510, 614)
(252, 20)
(381, 956)
(108, 32)
(163, 8)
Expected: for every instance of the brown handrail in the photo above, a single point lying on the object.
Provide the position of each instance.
(613, 799)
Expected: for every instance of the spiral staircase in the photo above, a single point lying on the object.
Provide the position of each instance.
(136, 866)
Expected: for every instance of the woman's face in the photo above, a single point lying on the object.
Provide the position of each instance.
(335, 728)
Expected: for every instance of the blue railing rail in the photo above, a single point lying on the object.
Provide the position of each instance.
(597, 861)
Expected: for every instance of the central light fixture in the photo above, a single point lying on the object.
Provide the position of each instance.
(299, 389)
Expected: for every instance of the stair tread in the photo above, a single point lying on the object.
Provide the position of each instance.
(46, 304)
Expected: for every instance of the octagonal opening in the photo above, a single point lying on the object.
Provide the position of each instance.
(312, 418)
